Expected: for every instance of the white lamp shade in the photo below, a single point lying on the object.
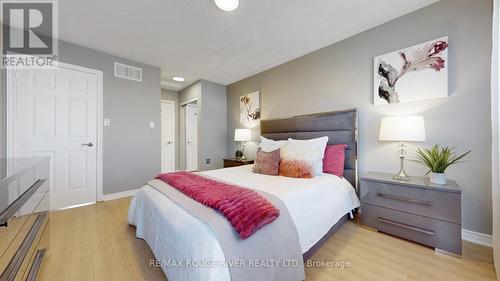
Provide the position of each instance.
(242, 135)
(402, 128)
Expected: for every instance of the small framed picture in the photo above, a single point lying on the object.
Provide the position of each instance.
(250, 107)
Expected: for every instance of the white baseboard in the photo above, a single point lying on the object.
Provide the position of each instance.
(118, 195)
(478, 238)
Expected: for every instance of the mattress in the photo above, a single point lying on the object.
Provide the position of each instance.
(178, 239)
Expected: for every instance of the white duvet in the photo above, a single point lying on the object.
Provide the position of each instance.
(177, 238)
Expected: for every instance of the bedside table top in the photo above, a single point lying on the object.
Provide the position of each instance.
(420, 182)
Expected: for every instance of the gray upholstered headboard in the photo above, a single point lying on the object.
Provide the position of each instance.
(339, 126)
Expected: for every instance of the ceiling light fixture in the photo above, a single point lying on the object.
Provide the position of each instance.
(178, 79)
(227, 5)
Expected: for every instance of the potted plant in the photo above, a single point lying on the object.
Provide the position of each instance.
(438, 159)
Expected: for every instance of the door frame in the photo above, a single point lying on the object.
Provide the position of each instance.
(189, 101)
(191, 104)
(174, 128)
(182, 132)
(9, 118)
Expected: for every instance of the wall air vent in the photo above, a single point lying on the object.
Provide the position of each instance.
(128, 72)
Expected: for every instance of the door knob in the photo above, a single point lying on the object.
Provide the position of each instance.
(88, 144)
(169, 142)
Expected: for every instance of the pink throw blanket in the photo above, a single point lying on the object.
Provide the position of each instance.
(247, 210)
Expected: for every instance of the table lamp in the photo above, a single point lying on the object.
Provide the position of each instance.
(242, 135)
(402, 129)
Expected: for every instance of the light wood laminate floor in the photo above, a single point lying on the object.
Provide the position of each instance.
(96, 243)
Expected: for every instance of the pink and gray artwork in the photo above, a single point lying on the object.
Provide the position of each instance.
(416, 73)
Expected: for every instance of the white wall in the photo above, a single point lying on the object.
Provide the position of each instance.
(495, 117)
(2, 116)
(213, 126)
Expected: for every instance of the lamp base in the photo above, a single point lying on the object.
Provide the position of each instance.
(238, 154)
(402, 176)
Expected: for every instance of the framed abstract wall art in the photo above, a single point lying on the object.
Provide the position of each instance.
(250, 107)
(416, 73)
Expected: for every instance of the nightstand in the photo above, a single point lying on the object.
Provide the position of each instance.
(233, 162)
(417, 210)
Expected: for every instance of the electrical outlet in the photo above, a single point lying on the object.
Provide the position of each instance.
(151, 125)
(207, 161)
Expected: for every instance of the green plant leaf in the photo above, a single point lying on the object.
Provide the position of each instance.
(438, 159)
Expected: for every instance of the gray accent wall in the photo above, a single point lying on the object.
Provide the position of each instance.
(131, 154)
(174, 96)
(340, 76)
(212, 121)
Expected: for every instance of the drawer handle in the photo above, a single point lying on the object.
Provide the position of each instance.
(400, 198)
(414, 228)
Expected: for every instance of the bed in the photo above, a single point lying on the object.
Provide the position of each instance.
(318, 206)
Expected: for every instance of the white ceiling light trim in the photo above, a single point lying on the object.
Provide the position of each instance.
(227, 5)
(178, 78)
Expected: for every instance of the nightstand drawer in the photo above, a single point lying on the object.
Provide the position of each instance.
(431, 232)
(421, 201)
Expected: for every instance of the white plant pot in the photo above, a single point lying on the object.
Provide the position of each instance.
(438, 178)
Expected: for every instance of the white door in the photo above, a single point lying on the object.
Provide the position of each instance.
(53, 112)
(167, 136)
(191, 137)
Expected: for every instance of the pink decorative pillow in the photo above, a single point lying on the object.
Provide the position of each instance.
(267, 163)
(334, 160)
(296, 169)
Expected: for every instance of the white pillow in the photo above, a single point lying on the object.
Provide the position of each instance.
(312, 151)
(268, 145)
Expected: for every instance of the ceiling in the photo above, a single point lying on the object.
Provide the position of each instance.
(195, 40)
